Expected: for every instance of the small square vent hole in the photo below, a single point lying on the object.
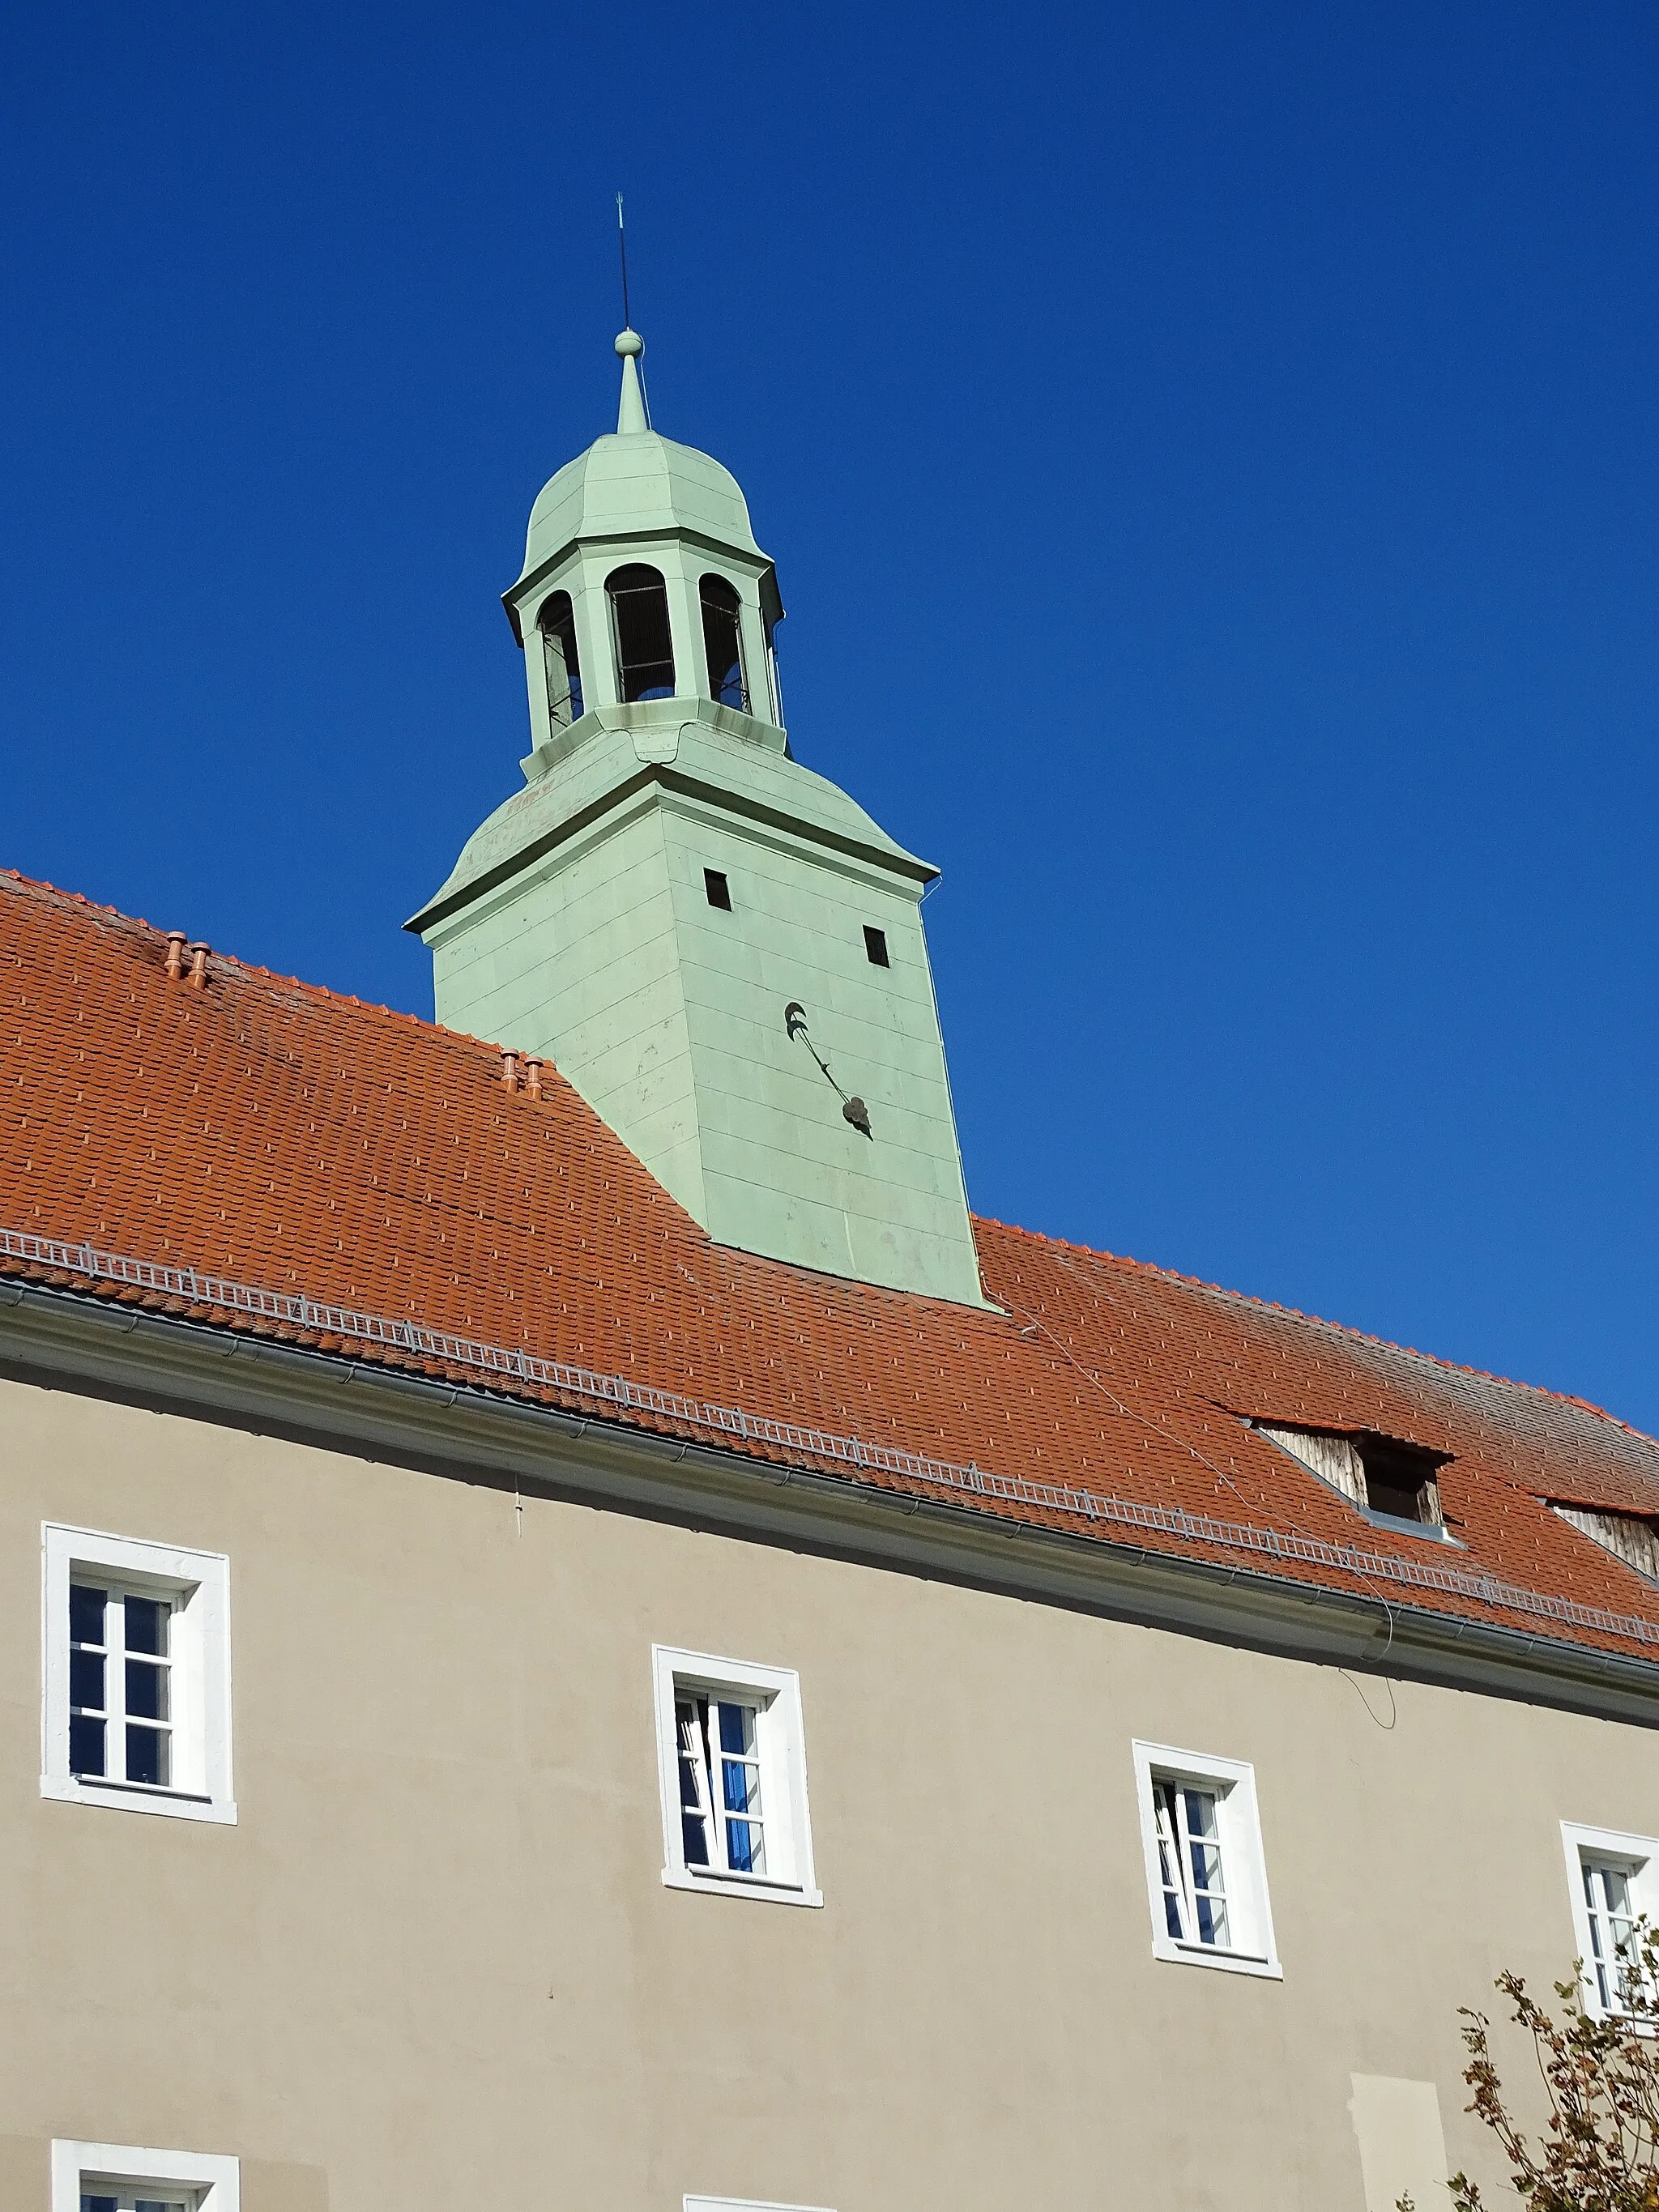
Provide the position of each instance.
(875, 946)
(719, 891)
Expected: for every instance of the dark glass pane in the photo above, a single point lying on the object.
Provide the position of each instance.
(719, 891)
(645, 648)
(147, 1755)
(86, 1614)
(147, 1691)
(735, 1736)
(695, 1843)
(875, 946)
(147, 1625)
(87, 1679)
(688, 1782)
(96, 2203)
(722, 643)
(741, 1842)
(86, 1745)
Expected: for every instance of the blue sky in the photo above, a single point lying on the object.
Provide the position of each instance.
(1209, 454)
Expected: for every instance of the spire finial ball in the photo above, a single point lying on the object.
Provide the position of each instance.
(630, 342)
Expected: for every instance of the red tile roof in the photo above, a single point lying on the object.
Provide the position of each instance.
(279, 1136)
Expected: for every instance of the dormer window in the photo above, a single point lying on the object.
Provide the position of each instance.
(722, 640)
(1632, 1537)
(1385, 1479)
(640, 633)
(557, 625)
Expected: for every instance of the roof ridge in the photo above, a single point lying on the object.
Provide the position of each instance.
(1318, 1320)
(251, 968)
(79, 898)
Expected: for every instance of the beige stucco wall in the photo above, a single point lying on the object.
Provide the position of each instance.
(435, 1963)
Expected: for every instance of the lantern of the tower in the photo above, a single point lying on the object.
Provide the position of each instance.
(720, 950)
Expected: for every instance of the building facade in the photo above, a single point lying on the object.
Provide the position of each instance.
(575, 1633)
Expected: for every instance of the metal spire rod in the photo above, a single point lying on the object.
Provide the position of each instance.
(622, 247)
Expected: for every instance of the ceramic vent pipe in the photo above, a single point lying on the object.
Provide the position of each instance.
(532, 1071)
(175, 964)
(197, 977)
(509, 1069)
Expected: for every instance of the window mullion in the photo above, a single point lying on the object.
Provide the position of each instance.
(115, 1686)
(709, 1736)
(1167, 1835)
(1184, 1863)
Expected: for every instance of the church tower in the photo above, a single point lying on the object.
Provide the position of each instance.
(717, 948)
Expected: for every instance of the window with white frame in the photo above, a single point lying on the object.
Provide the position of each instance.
(1613, 1881)
(732, 1757)
(90, 2177)
(1205, 1877)
(742, 2204)
(135, 1707)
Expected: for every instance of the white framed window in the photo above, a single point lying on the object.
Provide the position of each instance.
(136, 1675)
(732, 1761)
(1206, 1878)
(743, 2204)
(88, 2176)
(1613, 1879)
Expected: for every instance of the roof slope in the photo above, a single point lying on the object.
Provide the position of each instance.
(280, 1135)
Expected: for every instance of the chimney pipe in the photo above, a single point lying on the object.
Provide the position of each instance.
(175, 966)
(509, 1069)
(197, 977)
(532, 1068)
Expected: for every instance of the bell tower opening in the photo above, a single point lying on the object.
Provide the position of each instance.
(722, 642)
(640, 633)
(557, 625)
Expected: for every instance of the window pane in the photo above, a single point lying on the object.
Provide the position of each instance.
(86, 1614)
(1200, 1813)
(693, 1841)
(147, 1756)
(147, 1689)
(86, 1745)
(87, 1679)
(147, 1625)
(96, 2203)
(1211, 1921)
(740, 1786)
(737, 1728)
(744, 1847)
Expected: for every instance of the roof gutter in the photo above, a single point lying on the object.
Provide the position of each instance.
(473, 1434)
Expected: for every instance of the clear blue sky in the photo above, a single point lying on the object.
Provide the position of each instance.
(1210, 455)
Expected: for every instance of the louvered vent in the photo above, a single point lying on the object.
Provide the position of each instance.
(1629, 1536)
